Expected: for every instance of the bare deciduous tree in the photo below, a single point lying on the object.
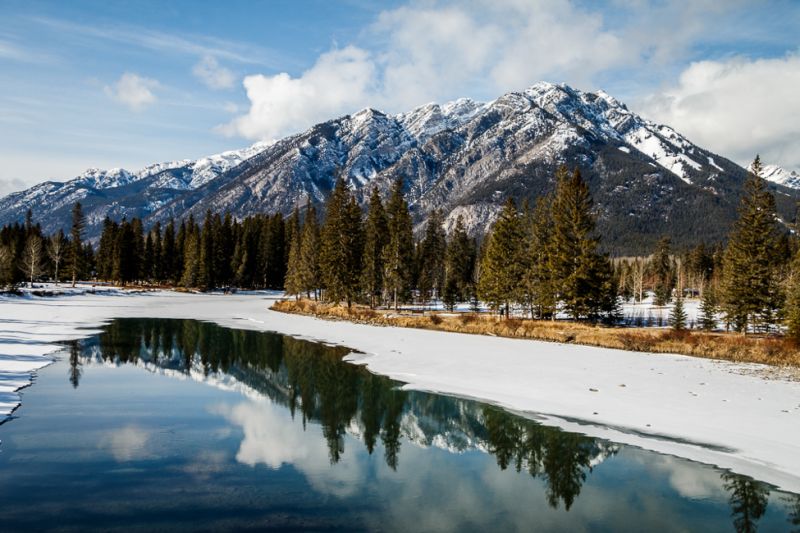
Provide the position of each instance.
(55, 249)
(32, 257)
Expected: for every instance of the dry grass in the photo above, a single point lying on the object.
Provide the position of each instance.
(774, 351)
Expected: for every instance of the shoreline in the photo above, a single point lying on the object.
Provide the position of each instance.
(721, 346)
(709, 411)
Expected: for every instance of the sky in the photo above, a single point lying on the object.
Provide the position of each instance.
(110, 84)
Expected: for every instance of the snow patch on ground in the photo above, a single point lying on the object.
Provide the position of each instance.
(715, 412)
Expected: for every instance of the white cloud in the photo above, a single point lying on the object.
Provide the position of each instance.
(339, 81)
(438, 51)
(272, 437)
(736, 108)
(127, 444)
(13, 52)
(168, 42)
(212, 74)
(7, 186)
(133, 90)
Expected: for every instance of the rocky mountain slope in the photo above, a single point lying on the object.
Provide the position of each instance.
(118, 192)
(463, 157)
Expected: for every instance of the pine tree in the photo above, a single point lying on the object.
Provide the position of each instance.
(792, 308)
(294, 269)
(28, 222)
(105, 251)
(677, 318)
(125, 261)
(355, 226)
(6, 267)
(191, 255)
(502, 264)
(205, 274)
(580, 274)
(459, 266)
(709, 310)
(272, 252)
(376, 237)
(223, 249)
(155, 271)
(665, 276)
(76, 245)
(751, 295)
(432, 252)
(168, 254)
(340, 246)
(537, 279)
(89, 260)
(398, 254)
(310, 276)
(137, 257)
(147, 259)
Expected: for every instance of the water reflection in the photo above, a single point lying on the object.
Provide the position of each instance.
(310, 383)
(794, 513)
(74, 364)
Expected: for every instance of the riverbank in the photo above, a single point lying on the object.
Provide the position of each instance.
(720, 413)
(724, 346)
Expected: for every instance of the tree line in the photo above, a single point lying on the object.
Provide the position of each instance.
(535, 261)
(26, 254)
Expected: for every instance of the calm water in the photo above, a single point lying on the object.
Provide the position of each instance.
(178, 424)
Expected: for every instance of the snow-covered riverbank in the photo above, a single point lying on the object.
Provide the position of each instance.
(715, 412)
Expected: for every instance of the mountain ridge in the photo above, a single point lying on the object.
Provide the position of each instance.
(463, 157)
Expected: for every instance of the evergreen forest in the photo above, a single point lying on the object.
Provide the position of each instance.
(540, 261)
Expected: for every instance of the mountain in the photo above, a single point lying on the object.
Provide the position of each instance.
(781, 176)
(463, 157)
(118, 192)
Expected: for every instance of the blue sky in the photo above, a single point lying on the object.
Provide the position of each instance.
(123, 84)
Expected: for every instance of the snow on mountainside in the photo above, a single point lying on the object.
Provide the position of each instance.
(193, 175)
(428, 120)
(463, 158)
(781, 176)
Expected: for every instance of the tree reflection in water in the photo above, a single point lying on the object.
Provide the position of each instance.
(310, 379)
(748, 501)
(74, 363)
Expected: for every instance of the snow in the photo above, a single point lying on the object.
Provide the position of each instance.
(427, 120)
(199, 172)
(648, 313)
(715, 412)
(624, 149)
(714, 163)
(780, 175)
(666, 154)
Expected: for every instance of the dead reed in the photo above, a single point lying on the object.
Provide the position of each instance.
(775, 351)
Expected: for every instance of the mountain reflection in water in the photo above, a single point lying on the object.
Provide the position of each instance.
(312, 382)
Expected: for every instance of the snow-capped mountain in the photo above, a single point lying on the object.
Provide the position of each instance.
(118, 192)
(463, 157)
(781, 176)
